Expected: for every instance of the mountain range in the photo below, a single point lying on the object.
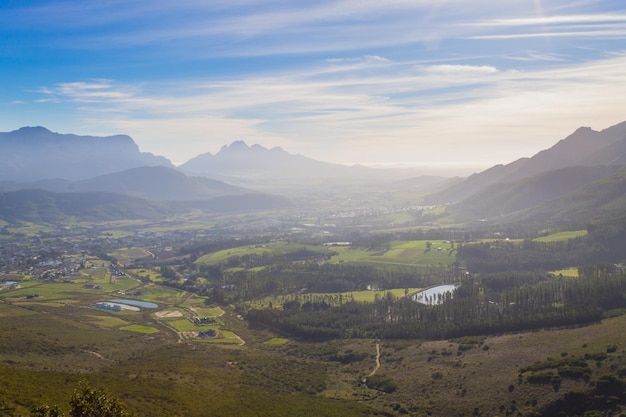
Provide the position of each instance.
(577, 178)
(37, 153)
(48, 176)
(241, 164)
(158, 183)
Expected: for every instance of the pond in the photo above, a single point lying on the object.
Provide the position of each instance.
(434, 295)
(137, 303)
(105, 305)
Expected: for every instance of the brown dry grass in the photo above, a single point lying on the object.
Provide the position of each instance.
(434, 377)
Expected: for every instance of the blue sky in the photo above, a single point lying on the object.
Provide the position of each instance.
(418, 82)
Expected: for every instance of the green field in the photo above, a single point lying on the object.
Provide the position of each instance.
(366, 296)
(414, 252)
(568, 272)
(128, 255)
(562, 236)
(276, 341)
(140, 329)
(151, 274)
(162, 295)
(207, 311)
(270, 249)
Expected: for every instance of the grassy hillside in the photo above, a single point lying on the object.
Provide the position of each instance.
(506, 198)
(61, 340)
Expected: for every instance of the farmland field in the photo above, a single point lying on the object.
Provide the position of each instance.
(562, 236)
(366, 296)
(270, 249)
(139, 329)
(567, 272)
(127, 256)
(414, 252)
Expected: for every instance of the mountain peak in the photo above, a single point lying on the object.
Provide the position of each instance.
(32, 131)
(238, 144)
(257, 147)
(239, 147)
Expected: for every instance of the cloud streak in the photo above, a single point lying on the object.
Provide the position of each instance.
(278, 27)
(439, 108)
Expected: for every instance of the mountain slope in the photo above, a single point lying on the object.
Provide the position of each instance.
(48, 207)
(37, 153)
(505, 198)
(603, 201)
(159, 189)
(475, 183)
(584, 147)
(158, 183)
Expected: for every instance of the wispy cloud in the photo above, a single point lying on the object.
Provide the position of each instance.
(531, 56)
(605, 25)
(420, 108)
(555, 20)
(604, 34)
(277, 27)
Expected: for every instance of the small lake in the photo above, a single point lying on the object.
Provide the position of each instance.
(137, 303)
(108, 305)
(430, 296)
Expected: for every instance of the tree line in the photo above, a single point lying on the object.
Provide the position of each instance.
(473, 309)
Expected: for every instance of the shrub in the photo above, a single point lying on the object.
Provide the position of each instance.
(88, 402)
(381, 383)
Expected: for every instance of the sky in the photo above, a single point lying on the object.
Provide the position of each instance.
(430, 83)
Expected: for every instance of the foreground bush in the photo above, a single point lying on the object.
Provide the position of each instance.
(88, 402)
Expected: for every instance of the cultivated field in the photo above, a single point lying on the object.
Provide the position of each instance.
(562, 236)
(366, 296)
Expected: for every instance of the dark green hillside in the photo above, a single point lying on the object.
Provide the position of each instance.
(601, 201)
(506, 198)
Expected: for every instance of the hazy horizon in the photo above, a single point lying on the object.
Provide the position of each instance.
(470, 84)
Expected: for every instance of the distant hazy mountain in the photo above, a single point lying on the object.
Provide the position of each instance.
(584, 147)
(241, 163)
(145, 192)
(35, 153)
(157, 183)
(165, 185)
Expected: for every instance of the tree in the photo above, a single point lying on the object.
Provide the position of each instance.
(88, 402)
